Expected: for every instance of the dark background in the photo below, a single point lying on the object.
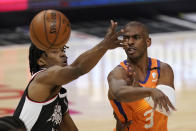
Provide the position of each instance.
(146, 9)
(93, 16)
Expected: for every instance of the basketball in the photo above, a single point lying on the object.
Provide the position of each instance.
(50, 29)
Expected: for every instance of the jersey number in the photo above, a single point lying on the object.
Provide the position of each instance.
(150, 118)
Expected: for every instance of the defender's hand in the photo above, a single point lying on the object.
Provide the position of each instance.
(111, 40)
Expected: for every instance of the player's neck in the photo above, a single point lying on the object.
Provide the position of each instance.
(140, 63)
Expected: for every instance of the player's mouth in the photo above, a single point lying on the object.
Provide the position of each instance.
(64, 63)
(131, 50)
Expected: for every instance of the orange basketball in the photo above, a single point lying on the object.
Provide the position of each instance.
(50, 29)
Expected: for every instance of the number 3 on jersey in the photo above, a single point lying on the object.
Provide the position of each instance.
(150, 118)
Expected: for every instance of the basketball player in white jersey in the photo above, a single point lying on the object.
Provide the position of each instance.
(44, 106)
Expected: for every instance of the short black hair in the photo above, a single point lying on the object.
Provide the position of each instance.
(137, 23)
(34, 55)
(11, 123)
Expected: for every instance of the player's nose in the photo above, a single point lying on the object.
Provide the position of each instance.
(131, 41)
(62, 54)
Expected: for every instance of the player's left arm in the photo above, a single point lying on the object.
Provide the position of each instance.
(166, 75)
(166, 86)
(67, 124)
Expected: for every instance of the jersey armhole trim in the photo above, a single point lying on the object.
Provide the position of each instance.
(44, 102)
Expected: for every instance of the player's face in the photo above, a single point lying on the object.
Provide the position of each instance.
(56, 57)
(136, 42)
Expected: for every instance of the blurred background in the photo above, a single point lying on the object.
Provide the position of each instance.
(172, 25)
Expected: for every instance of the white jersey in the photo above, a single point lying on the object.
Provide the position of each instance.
(42, 116)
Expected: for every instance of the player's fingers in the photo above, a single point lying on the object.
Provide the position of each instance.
(119, 43)
(165, 105)
(134, 74)
(125, 43)
(129, 73)
(134, 81)
(119, 33)
(130, 65)
(112, 28)
(160, 106)
(130, 81)
(155, 104)
(170, 104)
(160, 103)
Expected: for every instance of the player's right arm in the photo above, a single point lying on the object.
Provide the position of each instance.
(120, 91)
(57, 75)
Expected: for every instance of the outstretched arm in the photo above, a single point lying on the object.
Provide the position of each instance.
(85, 62)
(166, 79)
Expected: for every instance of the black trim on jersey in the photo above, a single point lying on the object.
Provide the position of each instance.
(154, 68)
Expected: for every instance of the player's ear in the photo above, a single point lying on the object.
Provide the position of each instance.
(41, 62)
(148, 41)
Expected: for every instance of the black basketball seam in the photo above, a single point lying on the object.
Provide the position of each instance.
(35, 35)
(65, 26)
(45, 27)
(65, 37)
(58, 31)
(63, 40)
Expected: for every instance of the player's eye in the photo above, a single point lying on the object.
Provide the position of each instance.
(136, 37)
(125, 37)
(65, 48)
